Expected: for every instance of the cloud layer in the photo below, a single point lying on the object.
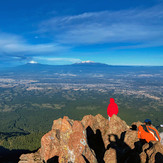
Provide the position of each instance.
(140, 26)
(10, 43)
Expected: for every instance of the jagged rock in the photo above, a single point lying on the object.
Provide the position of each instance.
(152, 152)
(67, 140)
(130, 138)
(117, 126)
(31, 158)
(93, 139)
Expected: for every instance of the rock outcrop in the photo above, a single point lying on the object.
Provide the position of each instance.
(94, 139)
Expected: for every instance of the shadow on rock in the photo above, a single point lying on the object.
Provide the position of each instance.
(96, 143)
(150, 146)
(53, 160)
(86, 160)
(158, 157)
(123, 151)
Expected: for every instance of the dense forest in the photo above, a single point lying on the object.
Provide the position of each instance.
(23, 126)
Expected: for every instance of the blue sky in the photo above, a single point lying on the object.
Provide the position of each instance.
(114, 32)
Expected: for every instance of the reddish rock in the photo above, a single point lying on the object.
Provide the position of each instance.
(130, 138)
(67, 140)
(93, 139)
(117, 126)
(152, 152)
(31, 158)
(110, 156)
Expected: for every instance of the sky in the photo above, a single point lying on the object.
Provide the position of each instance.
(58, 32)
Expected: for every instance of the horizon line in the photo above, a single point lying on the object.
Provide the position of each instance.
(2, 67)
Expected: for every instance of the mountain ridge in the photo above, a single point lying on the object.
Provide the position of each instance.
(82, 68)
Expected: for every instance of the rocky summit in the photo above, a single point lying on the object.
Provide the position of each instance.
(94, 139)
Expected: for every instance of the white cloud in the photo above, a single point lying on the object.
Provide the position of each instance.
(141, 26)
(12, 44)
(54, 59)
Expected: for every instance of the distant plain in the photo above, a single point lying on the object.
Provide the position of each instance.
(32, 96)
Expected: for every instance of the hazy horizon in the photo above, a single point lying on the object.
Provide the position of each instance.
(46, 64)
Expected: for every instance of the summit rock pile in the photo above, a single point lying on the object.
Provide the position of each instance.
(93, 140)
